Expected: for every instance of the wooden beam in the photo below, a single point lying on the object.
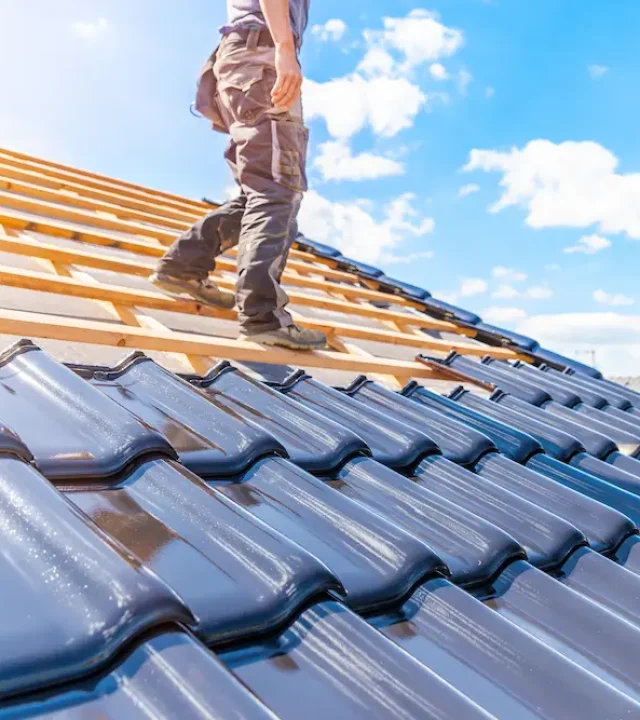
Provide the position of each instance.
(70, 231)
(14, 322)
(119, 213)
(92, 220)
(52, 253)
(121, 198)
(96, 180)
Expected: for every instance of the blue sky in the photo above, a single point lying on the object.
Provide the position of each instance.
(534, 97)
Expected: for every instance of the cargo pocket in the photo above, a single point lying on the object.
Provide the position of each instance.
(289, 161)
(246, 92)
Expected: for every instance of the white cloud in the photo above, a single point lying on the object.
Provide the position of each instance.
(505, 292)
(614, 299)
(552, 267)
(589, 245)
(336, 162)
(472, 286)
(439, 71)
(418, 38)
(508, 292)
(489, 92)
(352, 227)
(409, 258)
(468, 190)
(597, 71)
(508, 275)
(90, 30)
(503, 315)
(348, 104)
(614, 337)
(538, 292)
(332, 30)
(571, 184)
(377, 62)
(464, 80)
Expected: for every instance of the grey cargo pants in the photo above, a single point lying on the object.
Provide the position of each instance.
(267, 156)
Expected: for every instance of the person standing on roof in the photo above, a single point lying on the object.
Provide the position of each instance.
(250, 89)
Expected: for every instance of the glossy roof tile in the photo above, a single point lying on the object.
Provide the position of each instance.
(392, 442)
(604, 527)
(210, 438)
(525, 391)
(150, 681)
(515, 444)
(405, 555)
(581, 383)
(376, 561)
(71, 596)
(237, 575)
(473, 548)
(595, 443)
(547, 539)
(504, 374)
(506, 669)
(370, 677)
(556, 442)
(10, 444)
(73, 431)
(312, 440)
(459, 443)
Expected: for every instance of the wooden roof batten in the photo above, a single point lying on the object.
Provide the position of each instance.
(42, 203)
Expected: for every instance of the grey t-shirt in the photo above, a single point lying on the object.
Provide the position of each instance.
(242, 13)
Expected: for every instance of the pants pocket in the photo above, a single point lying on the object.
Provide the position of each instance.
(289, 160)
(246, 92)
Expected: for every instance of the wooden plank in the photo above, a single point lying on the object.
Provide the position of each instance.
(92, 220)
(51, 253)
(111, 210)
(14, 322)
(350, 308)
(337, 343)
(121, 198)
(97, 180)
(70, 231)
(43, 282)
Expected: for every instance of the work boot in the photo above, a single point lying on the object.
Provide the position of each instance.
(293, 337)
(203, 291)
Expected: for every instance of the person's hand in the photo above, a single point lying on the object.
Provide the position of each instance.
(289, 78)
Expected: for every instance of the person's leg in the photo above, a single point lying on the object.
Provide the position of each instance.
(270, 158)
(192, 256)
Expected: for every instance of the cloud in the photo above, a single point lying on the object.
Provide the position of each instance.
(508, 275)
(409, 258)
(336, 162)
(382, 92)
(535, 292)
(332, 30)
(538, 292)
(468, 287)
(351, 103)
(90, 30)
(439, 71)
(464, 80)
(353, 228)
(418, 38)
(597, 71)
(571, 184)
(503, 315)
(489, 92)
(589, 245)
(505, 292)
(614, 337)
(468, 190)
(614, 299)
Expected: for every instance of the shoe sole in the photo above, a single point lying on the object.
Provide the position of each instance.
(285, 344)
(178, 291)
